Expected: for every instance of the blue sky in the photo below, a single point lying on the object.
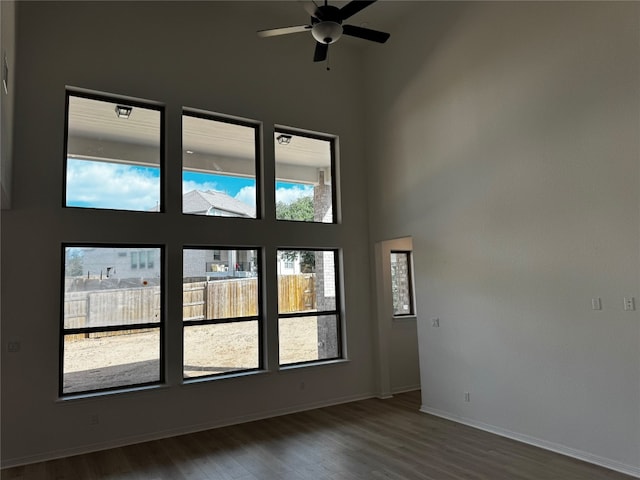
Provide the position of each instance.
(127, 187)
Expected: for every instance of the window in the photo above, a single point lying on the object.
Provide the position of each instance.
(401, 283)
(142, 259)
(304, 177)
(308, 308)
(112, 327)
(219, 166)
(113, 154)
(221, 312)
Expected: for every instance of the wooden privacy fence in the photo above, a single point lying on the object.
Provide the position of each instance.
(239, 297)
(218, 299)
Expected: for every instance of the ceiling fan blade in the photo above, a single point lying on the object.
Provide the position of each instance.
(283, 31)
(320, 54)
(312, 9)
(354, 7)
(366, 33)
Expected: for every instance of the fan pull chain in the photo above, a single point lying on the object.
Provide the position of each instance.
(328, 67)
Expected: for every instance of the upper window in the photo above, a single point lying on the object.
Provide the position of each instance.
(113, 154)
(111, 334)
(219, 167)
(304, 177)
(401, 283)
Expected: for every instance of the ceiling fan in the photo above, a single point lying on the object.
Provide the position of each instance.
(326, 26)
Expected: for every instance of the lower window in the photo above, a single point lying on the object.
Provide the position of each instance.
(309, 323)
(112, 329)
(221, 311)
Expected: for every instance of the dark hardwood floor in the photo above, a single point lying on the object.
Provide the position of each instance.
(370, 439)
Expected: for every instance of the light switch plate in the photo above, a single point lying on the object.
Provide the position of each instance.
(629, 303)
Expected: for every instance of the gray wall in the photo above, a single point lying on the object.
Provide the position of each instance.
(203, 55)
(504, 140)
(8, 52)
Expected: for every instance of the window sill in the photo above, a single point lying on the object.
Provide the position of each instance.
(125, 391)
(400, 318)
(319, 363)
(214, 378)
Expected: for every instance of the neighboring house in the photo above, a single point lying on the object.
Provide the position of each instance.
(121, 263)
(288, 266)
(215, 203)
(218, 263)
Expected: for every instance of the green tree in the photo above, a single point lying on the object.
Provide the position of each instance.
(74, 264)
(300, 210)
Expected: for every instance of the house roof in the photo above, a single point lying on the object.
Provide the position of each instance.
(200, 202)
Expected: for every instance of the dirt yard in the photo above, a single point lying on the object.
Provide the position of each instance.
(113, 361)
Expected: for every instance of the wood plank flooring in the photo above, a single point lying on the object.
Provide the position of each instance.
(370, 439)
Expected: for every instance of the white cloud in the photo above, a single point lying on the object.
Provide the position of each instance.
(202, 186)
(291, 194)
(108, 185)
(247, 195)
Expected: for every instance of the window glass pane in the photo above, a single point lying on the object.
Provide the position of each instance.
(308, 338)
(218, 168)
(110, 359)
(220, 348)
(104, 289)
(401, 283)
(306, 280)
(107, 305)
(113, 161)
(303, 178)
(220, 284)
(220, 288)
(305, 291)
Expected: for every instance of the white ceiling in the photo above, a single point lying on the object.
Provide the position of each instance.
(382, 15)
(96, 132)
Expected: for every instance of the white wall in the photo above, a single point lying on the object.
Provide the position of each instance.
(204, 55)
(505, 140)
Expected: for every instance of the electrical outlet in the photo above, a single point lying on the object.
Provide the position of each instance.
(596, 303)
(467, 397)
(13, 346)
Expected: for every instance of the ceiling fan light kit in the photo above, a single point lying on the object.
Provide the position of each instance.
(326, 26)
(326, 32)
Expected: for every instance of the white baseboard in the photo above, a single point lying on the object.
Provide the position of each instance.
(536, 442)
(406, 388)
(133, 439)
(389, 394)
